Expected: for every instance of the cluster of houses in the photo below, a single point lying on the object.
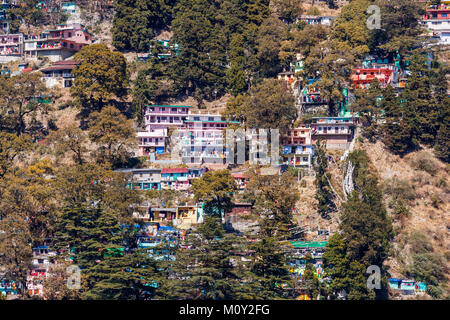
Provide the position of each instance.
(55, 44)
(437, 20)
(200, 136)
(178, 179)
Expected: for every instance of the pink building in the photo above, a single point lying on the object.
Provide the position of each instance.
(11, 47)
(57, 44)
(202, 138)
(158, 119)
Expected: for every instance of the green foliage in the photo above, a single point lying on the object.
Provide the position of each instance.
(134, 276)
(288, 10)
(365, 234)
(274, 198)
(113, 134)
(11, 148)
(101, 76)
(210, 268)
(216, 189)
(398, 130)
(137, 21)
(368, 107)
(270, 104)
(425, 264)
(19, 103)
(324, 194)
(350, 27)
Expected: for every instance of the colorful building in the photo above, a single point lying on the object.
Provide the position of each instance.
(336, 131)
(407, 286)
(437, 19)
(202, 139)
(157, 120)
(57, 44)
(363, 77)
(297, 147)
(11, 47)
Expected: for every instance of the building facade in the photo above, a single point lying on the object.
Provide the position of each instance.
(437, 19)
(336, 131)
(297, 147)
(57, 44)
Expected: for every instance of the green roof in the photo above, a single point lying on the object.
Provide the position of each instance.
(308, 244)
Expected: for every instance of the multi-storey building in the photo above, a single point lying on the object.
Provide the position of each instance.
(11, 47)
(144, 179)
(336, 131)
(297, 147)
(202, 138)
(162, 179)
(437, 19)
(363, 77)
(57, 44)
(158, 119)
(39, 269)
(310, 100)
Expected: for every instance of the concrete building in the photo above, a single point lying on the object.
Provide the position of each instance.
(57, 44)
(336, 131)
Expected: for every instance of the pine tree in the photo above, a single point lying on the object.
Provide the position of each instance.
(208, 266)
(134, 276)
(268, 274)
(324, 195)
(365, 234)
(423, 114)
(398, 130)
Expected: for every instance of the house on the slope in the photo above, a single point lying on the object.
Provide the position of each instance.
(59, 74)
(57, 44)
(336, 131)
(297, 147)
(11, 47)
(158, 119)
(201, 139)
(437, 19)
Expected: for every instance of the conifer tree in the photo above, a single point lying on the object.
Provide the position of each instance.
(208, 265)
(324, 194)
(365, 234)
(398, 131)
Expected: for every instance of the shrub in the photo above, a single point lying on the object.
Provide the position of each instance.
(424, 161)
(399, 189)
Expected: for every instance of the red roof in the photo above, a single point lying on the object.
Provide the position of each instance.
(174, 170)
(239, 176)
(27, 69)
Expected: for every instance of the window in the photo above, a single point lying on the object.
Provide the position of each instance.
(70, 34)
(196, 118)
(336, 128)
(210, 118)
(162, 109)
